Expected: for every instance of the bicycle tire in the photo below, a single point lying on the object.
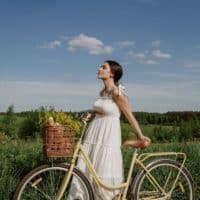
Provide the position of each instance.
(37, 177)
(161, 169)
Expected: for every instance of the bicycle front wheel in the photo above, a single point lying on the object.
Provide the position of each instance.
(44, 182)
(165, 172)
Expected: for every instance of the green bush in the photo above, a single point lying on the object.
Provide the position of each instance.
(8, 123)
(189, 130)
(61, 118)
(165, 134)
(27, 128)
(34, 122)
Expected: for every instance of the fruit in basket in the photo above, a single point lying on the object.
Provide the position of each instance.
(50, 121)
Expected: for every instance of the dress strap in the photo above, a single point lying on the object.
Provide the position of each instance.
(121, 90)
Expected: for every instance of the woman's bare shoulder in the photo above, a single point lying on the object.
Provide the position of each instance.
(119, 92)
(115, 92)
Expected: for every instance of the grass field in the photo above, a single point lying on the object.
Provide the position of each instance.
(19, 157)
(127, 130)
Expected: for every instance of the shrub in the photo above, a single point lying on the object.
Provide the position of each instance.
(27, 128)
(61, 118)
(8, 123)
(189, 130)
(165, 134)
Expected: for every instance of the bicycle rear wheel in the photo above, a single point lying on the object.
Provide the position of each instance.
(164, 172)
(44, 182)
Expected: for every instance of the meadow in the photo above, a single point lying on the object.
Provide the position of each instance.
(17, 157)
(21, 144)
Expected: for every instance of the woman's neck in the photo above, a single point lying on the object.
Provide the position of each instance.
(109, 84)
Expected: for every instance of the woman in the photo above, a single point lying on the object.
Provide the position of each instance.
(103, 137)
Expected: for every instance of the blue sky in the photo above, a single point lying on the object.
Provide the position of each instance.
(50, 52)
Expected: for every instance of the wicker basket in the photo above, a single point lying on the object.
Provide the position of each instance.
(59, 141)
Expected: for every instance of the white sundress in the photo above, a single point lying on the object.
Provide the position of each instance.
(103, 145)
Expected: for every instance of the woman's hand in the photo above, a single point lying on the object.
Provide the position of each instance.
(142, 142)
(87, 117)
(146, 141)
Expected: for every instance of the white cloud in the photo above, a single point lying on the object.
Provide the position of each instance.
(161, 55)
(108, 49)
(151, 96)
(126, 43)
(150, 62)
(139, 55)
(90, 44)
(52, 45)
(156, 43)
(136, 55)
(141, 58)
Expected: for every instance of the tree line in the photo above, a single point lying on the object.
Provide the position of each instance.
(168, 118)
(185, 125)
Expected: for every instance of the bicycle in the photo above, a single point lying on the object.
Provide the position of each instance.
(159, 179)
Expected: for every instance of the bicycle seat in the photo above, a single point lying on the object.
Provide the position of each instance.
(137, 143)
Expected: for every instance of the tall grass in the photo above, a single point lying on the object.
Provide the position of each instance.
(16, 159)
(19, 157)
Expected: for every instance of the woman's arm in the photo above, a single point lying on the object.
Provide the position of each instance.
(123, 104)
(89, 116)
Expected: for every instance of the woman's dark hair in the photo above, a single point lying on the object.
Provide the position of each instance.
(116, 69)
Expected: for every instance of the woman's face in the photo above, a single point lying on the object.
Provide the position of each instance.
(104, 71)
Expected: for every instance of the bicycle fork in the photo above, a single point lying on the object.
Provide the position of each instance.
(65, 182)
(67, 176)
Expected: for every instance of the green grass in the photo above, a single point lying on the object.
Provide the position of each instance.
(19, 157)
(17, 124)
(16, 159)
(127, 130)
(148, 129)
